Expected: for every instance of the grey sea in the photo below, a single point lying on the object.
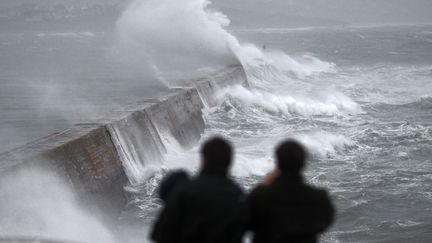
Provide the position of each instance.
(359, 98)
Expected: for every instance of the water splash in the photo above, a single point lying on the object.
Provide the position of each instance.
(175, 37)
(327, 104)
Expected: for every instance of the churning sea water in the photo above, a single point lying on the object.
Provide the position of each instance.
(360, 99)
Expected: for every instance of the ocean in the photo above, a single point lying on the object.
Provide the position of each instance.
(358, 97)
(360, 100)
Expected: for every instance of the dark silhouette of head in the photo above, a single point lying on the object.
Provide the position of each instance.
(170, 182)
(216, 154)
(290, 157)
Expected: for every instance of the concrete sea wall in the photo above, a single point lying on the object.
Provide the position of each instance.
(99, 158)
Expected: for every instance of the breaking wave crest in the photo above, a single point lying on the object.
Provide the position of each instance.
(324, 144)
(172, 38)
(275, 61)
(325, 104)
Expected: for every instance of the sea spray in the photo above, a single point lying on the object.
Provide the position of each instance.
(168, 39)
(253, 58)
(38, 205)
(171, 38)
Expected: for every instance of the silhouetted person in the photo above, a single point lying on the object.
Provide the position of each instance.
(209, 208)
(166, 188)
(170, 182)
(284, 208)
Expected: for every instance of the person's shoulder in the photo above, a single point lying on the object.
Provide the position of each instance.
(190, 185)
(318, 191)
(230, 186)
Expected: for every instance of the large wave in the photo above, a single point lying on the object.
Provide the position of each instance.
(162, 38)
(174, 37)
(256, 59)
(168, 39)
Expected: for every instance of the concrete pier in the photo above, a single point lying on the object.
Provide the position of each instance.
(99, 158)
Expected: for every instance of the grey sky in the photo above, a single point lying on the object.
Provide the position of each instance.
(369, 11)
(280, 13)
(349, 11)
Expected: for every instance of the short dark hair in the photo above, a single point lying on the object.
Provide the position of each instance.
(290, 156)
(217, 153)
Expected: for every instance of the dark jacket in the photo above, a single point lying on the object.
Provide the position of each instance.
(210, 208)
(289, 210)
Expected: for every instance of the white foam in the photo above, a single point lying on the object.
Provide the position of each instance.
(178, 158)
(323, 144)
(332, 103)
(253, 57)
(242, 166)
(245, 166)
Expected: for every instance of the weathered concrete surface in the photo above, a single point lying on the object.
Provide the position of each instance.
(84, 155)
(208, 91)
(98, 158)
(179, 116)
(136, 138)
(141, 131)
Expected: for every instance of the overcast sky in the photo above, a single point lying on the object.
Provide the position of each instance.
(368, 11)
(348, 11)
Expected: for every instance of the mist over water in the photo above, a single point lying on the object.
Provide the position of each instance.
(173, 38)
(37, 205)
